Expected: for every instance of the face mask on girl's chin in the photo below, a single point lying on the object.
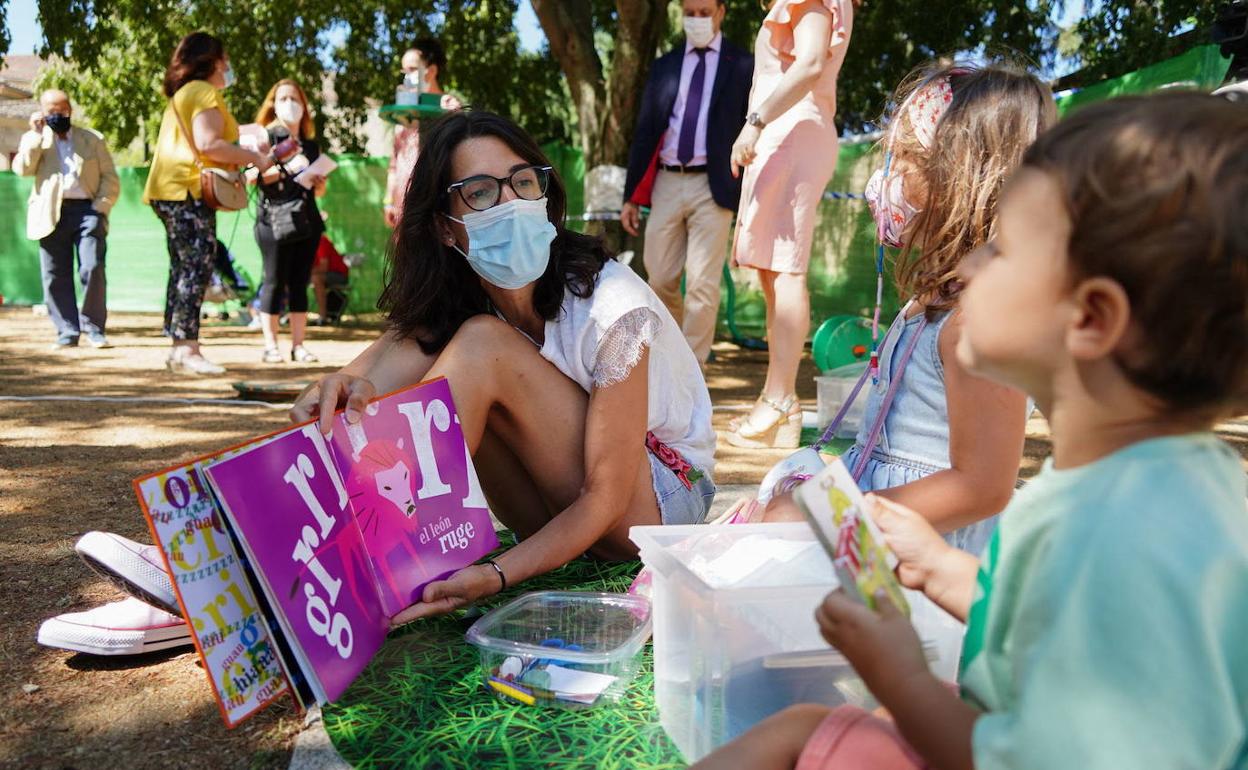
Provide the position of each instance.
(229, 76)
(889, 208)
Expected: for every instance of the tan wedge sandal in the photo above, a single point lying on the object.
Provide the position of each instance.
(736, 422)
(783, 432)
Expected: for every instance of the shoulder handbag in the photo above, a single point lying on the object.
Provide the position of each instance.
(220, 189)
(291, 219)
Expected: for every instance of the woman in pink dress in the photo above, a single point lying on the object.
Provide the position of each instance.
(788, 151)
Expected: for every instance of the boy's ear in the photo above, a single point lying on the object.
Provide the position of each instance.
(1102, 315)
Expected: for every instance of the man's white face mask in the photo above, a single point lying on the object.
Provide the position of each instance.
(700, 30)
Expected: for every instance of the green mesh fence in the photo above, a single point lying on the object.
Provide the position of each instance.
(1202, 68)
(138, 261)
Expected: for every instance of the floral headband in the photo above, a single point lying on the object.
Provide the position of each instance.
(927, 106)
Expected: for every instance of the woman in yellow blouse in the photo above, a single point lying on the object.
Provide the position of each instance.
(197, 72)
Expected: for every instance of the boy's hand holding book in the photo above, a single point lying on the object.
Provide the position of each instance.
(925, 562)
(879, 643)
(918, 546)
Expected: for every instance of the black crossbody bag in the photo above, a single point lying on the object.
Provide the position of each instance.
(290, 220)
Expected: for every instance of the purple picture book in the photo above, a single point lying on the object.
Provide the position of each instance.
(343, 533)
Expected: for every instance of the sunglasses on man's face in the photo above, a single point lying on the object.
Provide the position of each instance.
(483, 191)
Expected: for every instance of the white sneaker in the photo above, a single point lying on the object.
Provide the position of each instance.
(133, 567)
(193, 364)
(127, 627)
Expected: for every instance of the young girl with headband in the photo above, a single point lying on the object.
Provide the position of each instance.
(935, 437)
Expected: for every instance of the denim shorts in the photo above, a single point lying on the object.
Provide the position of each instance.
(678, 504)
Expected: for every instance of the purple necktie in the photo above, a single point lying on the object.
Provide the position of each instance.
(693, 106)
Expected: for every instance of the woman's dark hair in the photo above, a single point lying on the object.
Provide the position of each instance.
(430, 289)
(195, 58)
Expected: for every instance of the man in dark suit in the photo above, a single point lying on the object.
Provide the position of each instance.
(694, 106)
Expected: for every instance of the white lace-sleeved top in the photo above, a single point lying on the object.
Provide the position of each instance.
(597, 342)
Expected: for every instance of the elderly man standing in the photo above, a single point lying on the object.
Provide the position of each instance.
(75, 187)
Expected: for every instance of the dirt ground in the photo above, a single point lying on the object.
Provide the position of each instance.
(65, 469)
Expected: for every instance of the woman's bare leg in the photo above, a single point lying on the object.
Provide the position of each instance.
(298, 327)
(788, 323)
(502, 385)
(268, 325)
(789, 327)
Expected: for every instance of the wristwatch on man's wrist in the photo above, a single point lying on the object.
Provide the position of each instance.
(754, 120)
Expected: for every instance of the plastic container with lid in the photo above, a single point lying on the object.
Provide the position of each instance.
(833, 389)
(564, 649)
(735, 637)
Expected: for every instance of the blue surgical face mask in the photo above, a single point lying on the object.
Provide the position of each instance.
(229, 76)
(509, 244)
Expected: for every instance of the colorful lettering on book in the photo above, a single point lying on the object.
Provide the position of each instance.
(415, 493)
(225, 621)
(292, 513)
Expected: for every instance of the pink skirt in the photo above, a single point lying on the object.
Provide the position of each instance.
(780, 195)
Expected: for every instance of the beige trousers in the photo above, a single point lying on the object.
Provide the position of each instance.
(687, 233)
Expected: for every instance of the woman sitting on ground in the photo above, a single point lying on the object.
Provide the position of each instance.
(582, 405)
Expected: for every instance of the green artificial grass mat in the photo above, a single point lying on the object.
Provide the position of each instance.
(421, 702)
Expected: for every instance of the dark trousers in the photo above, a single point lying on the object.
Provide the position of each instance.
(82, 229)
(287, 270)
(191, 235)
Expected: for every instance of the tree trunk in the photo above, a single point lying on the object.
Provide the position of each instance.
(606, 103)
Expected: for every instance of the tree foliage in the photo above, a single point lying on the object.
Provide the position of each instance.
(120, 48)
(5, 39)
(1124, 35)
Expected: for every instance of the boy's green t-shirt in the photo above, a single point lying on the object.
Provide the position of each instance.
(1110, 625)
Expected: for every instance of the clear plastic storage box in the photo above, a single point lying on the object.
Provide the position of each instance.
(566, 649)
(735, 638)
(832, 389)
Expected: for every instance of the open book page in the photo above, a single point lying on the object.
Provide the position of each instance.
(289, 508)
(226, 624)
(839, 515)
(413, 490)
(322, 166)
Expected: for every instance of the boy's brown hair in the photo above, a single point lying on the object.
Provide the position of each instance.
(996, 112)
(1156, 189)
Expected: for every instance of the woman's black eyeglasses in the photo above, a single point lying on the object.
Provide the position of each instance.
(483, 191)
